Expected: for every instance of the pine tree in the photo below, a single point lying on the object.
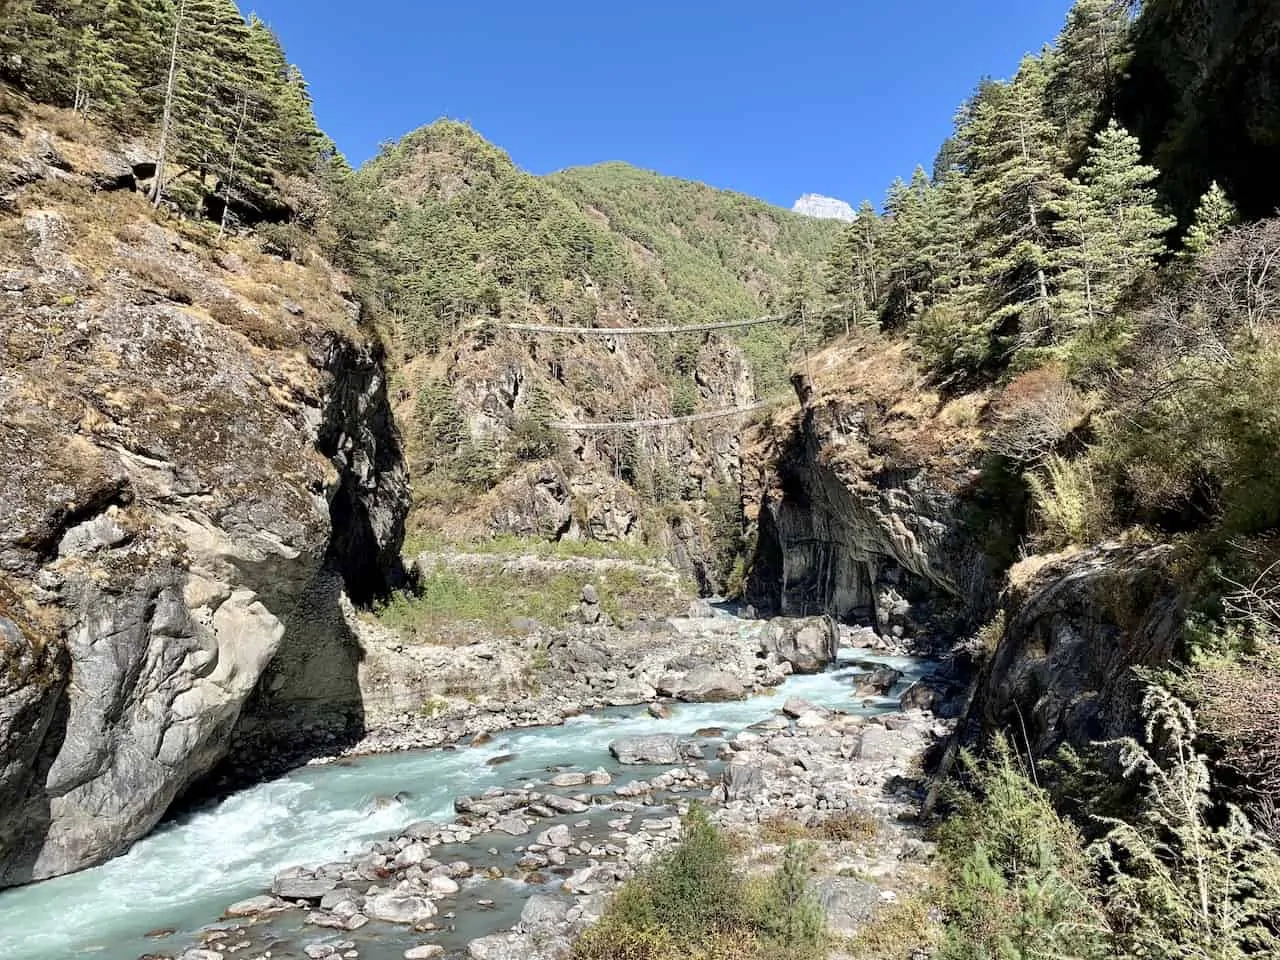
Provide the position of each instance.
(1014, 158)
(1120, 186)
(35, 36)
(1214, 214)
(1112, 231)
(1091, 57)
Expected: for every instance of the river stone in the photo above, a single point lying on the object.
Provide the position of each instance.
(742, 780)
(808, 645)
(252, 906)
(565, 805)
(543, 913)
(570, 779)
(600, 777)
(512, 826)
(318, 951)
(411, 855)
(704, 684)
(297, 887)
(795, 708)
(877, 683)
(422, 830)
(557, 836)
(399, 908)
(655, 748)
(879, 744)
(513, 946)
(425, 952)
(443, 886)
(198, 954)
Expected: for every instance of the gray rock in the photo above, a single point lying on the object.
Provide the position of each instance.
(397, 907)
(514, 946)
(704, 684)
(293, 886)
(877, 683)
(878, 744)
(848, 903)
(543, 913)
(557, 836)
(796, 707)
(655, 748)
(411, 855)
(512, 826)
(198, 954)
(742, 780)
(568, 779)
(809, 645)
(253, 906)
(565, 804)
(426, 951)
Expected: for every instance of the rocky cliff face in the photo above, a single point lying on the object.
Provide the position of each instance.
(874, 504)
(1063, 671)
(198, 457)
(865, 503)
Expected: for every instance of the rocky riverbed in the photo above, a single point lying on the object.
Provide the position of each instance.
(420, 696)
(521, 869)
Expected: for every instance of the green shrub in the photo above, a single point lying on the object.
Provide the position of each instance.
(788, 913)
(1181, 876)
(1072, 506)
(690, 904)
(1019, 879)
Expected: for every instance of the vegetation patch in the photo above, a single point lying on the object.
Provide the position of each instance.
(692, 903)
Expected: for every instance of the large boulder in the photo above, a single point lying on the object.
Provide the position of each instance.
(704, 684)
(810, 645)
(1064, 669)
(848, 904)
(658, 748)
(543, 913)
(398, 907)
(742, 780)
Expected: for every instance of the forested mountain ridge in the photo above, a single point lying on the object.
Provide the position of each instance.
(462, 242)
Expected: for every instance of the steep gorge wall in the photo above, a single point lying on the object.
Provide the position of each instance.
(199, 457)
(871, 509)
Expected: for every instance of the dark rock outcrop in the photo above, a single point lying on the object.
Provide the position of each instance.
(851, 525)
(1064, 669)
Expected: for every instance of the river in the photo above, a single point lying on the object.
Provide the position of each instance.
(188, 870)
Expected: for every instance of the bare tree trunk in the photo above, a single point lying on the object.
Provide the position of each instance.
(231, 173)
(157, 188)
(1041, 280)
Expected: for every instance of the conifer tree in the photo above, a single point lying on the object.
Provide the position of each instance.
(1120, 185)
(1017, 168)
(1111, 230)
(1091, 57)
(1214, 214)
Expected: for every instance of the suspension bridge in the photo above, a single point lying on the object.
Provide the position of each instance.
(622, 426)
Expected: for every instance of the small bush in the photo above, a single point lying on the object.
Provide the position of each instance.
(691, 905)
(1071, 505)
(788, 913)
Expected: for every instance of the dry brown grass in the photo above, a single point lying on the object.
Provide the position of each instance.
(841, 827)
(899, 931)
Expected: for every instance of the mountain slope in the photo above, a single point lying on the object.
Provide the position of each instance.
(466, 241)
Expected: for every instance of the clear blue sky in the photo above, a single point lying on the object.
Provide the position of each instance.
(773, 99)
